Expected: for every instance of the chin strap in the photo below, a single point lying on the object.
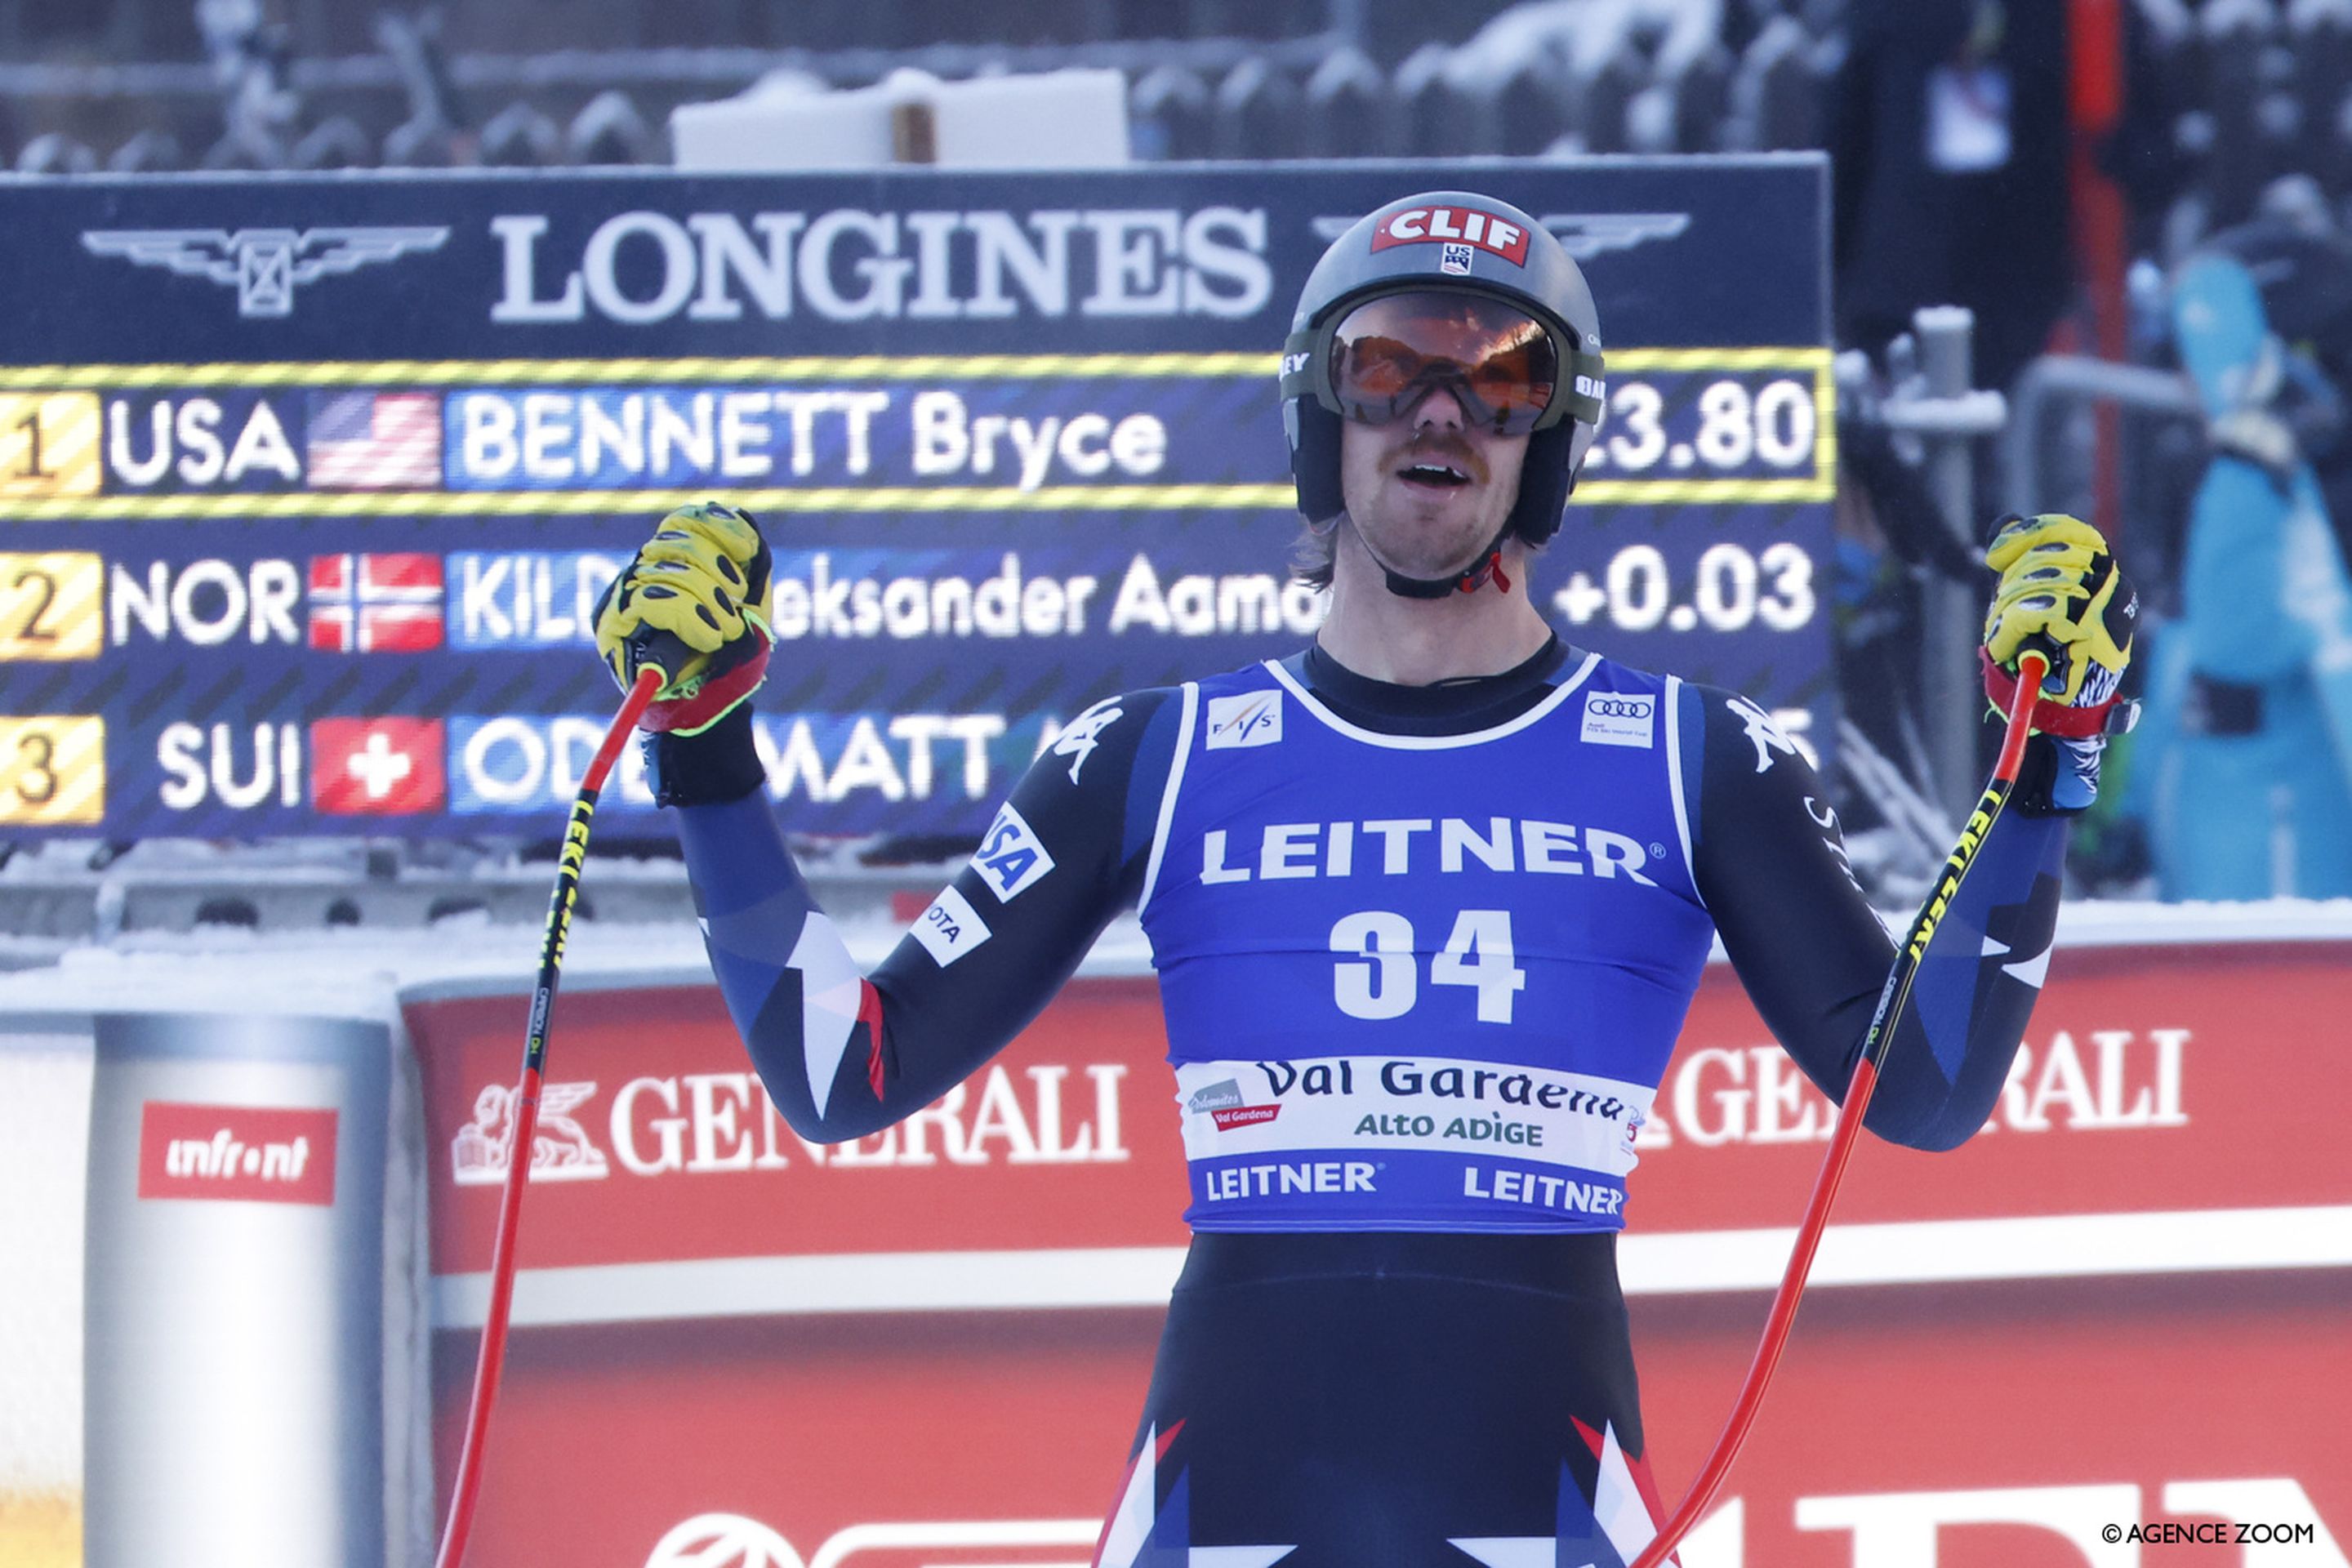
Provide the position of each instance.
(1487, 565)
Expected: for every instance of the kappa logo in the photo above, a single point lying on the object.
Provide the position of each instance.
(1765, 735)
(1252, 719)
(265, 266)
(1619, 719)
(1085, 734)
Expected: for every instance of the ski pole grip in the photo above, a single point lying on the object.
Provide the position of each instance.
(650, 648)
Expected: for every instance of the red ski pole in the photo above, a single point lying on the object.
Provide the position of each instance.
(2031, 666)
(525, 1115)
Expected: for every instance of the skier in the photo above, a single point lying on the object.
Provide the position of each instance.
(1428, 901)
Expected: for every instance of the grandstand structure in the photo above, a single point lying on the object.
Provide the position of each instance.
(2233, 106)
(2246, 91)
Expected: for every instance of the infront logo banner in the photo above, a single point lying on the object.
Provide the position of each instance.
(237, 1153)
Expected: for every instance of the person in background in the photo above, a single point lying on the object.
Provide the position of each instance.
(2242, 775)
(1948, 132)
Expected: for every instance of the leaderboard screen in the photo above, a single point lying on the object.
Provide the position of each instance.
(308, 485)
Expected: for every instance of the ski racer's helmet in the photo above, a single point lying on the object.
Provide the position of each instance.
(1449, 242)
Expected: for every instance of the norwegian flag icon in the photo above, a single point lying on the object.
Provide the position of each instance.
(384, 602)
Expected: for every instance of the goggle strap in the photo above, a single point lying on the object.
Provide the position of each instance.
(1298, 365)
(1584, 387)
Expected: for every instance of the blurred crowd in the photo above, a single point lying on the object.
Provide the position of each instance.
(2157, 182)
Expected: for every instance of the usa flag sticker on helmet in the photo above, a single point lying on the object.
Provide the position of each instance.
(1454, 226)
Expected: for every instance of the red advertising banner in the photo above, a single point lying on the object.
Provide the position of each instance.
(657, 1141)
(2123, 1302)
(239, 1153)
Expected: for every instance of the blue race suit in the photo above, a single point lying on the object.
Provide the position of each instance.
(1424, 954)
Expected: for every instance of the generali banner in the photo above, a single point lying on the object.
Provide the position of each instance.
(2123, 1303)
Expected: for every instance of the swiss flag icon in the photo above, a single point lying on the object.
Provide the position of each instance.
(377, 767)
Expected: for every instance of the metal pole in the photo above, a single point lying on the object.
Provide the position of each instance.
(2068, 378)
(1952, 613)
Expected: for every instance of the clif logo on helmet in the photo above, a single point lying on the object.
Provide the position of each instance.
(1455, 225)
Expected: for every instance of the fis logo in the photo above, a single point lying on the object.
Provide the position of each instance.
(377, 767)
(1252, 719)
(265, 266)
(375, 602)
(1619, 719)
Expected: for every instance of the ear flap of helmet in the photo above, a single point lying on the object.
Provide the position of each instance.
(1546, 477)
(1314, 432)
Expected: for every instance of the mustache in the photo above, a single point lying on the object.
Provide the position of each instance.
(1437, 445)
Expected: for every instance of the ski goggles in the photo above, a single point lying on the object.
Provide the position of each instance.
(1510, 372)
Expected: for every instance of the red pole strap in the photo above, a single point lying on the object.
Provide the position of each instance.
(2032, 668)
(524, 1115)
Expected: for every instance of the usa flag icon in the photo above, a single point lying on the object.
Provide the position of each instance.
(377, 602)
(376, 441)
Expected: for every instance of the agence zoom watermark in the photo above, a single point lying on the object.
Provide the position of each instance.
(2219, 1533)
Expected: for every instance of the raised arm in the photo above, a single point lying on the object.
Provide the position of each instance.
(1772, 869)
(1771, 864)
(844, 1056)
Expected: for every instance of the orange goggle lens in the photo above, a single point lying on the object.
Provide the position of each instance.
(1391, 353)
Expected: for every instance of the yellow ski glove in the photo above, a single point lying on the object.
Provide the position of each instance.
(2061, 594)
(694, 603)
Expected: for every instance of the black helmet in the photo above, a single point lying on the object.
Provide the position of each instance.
(1447, 241)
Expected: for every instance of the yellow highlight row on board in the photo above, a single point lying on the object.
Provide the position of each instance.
(49, 443)
(52, 770)
(50, 606)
